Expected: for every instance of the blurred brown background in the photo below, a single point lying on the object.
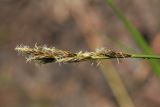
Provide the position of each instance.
(75, 25)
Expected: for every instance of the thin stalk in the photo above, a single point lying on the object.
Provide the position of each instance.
(132, 56)
(145, 56)
(136, 35)
(111, 75)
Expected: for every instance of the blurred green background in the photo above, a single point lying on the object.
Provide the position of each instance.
(77, 25)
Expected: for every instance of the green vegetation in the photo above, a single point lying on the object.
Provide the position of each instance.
(136, 35)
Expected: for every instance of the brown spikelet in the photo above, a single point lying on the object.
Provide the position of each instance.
(44, 54)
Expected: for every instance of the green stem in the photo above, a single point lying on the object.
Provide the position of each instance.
(132, 56)
(136, 35)
(145, 56)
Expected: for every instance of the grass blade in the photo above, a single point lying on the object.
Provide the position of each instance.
(136, 35)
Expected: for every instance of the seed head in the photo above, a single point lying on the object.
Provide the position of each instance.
(44, 54)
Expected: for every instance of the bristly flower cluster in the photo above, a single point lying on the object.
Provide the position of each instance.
(44, 54)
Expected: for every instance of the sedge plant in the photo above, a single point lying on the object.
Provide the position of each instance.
(44, 54)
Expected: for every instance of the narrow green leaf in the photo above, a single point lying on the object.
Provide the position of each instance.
(136, 35)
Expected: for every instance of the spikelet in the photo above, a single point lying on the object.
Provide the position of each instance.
(44, 54)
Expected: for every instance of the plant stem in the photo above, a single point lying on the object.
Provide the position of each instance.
(132, 56)
(136, 36)
(145, 56)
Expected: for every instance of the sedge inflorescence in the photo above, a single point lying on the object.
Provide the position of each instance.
(44, 54)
